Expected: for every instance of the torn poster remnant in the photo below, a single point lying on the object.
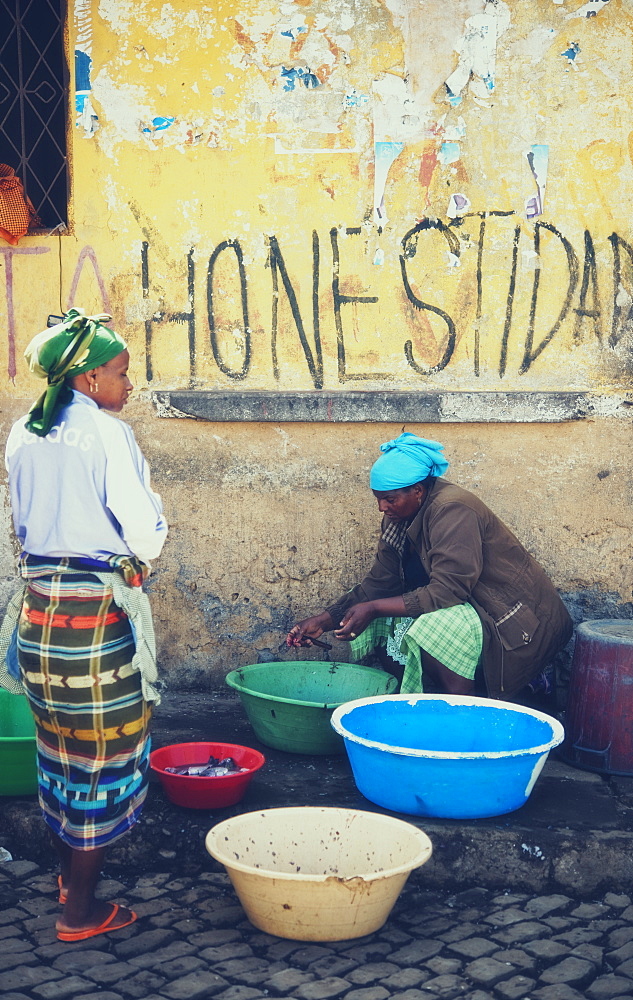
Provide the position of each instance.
(287, 50)
(384, 155)
(396, 112)
(538, 159)
(159, 124)
(455, 131)
(397, 120)
(449, 152)
(458, 204)
(354, 99)
(570, 54)
(477, 51)
(299, 74)
(590, 9)
(85, 115)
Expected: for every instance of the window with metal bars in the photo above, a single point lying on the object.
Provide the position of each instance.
(33, 111)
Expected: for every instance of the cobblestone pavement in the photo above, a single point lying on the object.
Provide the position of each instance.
(192, 941)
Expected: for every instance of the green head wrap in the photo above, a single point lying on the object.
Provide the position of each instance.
(78, 344)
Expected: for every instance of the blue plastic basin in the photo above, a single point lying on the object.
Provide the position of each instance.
(445, 755)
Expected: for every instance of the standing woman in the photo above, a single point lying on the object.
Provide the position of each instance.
(89, 525)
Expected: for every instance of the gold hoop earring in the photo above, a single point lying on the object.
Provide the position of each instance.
(94, 387)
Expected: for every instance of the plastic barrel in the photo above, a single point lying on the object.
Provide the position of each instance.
(599, 717)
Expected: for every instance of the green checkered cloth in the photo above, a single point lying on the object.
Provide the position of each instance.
(453, 636)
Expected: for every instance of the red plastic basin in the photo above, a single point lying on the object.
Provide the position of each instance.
(197, 792)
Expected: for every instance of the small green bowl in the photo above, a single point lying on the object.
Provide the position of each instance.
(289, 705)
(18, 759)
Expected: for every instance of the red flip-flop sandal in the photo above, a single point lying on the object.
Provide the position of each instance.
(103, 928)
(63, 893)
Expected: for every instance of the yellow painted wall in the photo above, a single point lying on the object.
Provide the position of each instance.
(286, 196)
(205, 133)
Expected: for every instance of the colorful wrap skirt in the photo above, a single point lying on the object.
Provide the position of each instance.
(75, 648)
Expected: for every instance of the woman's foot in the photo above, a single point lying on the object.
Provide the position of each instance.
(63, 891)
(104, 918)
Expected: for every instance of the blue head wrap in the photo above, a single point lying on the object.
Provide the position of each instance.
(406, 460)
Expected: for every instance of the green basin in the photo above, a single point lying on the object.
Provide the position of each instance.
(289, 705)
(18, 762)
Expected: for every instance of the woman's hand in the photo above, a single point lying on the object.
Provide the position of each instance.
(356, 620)
(310, 628)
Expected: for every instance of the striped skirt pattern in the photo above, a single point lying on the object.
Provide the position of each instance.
(75, 648)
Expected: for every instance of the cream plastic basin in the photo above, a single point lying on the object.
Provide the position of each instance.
(318, 874)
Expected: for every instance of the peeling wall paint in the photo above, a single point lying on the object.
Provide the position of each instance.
(346, 143)
(477, 51)
(396, 158)
(538, 160)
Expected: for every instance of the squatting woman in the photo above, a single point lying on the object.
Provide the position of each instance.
(452, 595)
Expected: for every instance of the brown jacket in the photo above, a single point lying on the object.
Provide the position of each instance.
(471, 557)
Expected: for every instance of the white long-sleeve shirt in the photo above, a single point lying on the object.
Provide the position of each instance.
(84, 489)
